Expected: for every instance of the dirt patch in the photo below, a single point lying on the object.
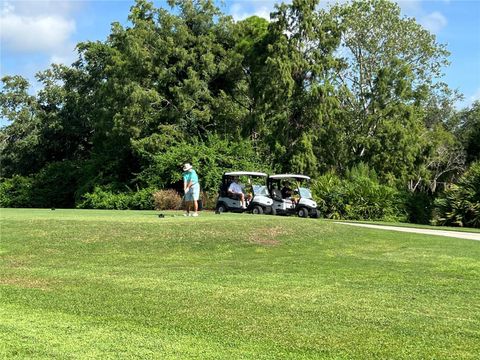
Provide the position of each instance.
(27, 283)
(17, 262)
(267, 235)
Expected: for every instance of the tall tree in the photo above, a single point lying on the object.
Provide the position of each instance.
(469, 131)
(297, 92)
(21, 137)
(394, 66)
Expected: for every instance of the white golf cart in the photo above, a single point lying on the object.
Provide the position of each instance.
(259, 202)
(291, 195)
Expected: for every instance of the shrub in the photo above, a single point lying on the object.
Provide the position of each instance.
(359, 196)
(141, 199)
(419, 207)
(459, 205)
(210, 158)
(102, 198)
(55, 185)
(209, 200)
(167, 200)
(327, 189)
(16, 192)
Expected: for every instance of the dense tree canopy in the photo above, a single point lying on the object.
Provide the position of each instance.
(309, 91)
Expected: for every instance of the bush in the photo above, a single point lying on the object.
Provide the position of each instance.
(16, 192)
(359, 196)
(459, 205)
(210, 158)
(209, 200)
(419, 207)
(167, 200)
(102, 198)
(55, 185)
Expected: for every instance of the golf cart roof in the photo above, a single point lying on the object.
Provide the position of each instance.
(289, 176)
(245, 173)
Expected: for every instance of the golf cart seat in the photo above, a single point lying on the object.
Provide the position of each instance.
(224, 189)
(277, 195)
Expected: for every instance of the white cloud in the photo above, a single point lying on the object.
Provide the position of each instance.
(67, 55)
(410, 7)
(240, 11)
(28, 29)
(434, 22)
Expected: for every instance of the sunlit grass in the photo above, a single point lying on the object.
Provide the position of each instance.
(128, 284)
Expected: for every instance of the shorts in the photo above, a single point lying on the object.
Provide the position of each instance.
(193, 193)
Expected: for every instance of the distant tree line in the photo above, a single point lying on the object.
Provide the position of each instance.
(311, 91)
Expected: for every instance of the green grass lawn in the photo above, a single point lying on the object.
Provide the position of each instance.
(127, 284)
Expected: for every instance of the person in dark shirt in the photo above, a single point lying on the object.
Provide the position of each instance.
(287, 192)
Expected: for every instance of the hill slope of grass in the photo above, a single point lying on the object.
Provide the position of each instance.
(126, 284)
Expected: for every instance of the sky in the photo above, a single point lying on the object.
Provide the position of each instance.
(36, 33)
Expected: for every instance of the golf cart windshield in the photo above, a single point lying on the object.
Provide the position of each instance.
(260, 190)
(305, 193)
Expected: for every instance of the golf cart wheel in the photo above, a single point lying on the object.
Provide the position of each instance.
(257, 210)
(221, 208)
(303, 212)
(315, 214)
(273, 211)
(268, 210)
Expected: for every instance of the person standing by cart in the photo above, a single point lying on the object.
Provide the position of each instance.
(191, 188)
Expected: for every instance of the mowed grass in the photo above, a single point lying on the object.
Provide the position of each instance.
(127, 284)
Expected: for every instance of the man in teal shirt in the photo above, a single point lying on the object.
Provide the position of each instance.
(191, 187)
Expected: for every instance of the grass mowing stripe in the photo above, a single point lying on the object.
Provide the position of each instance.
(129, 284)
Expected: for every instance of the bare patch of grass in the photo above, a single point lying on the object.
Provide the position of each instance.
(16, 262)
(267, 235)
(26, 283)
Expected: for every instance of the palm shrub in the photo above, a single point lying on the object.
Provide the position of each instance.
(459, 205)
(327, 190)
(358, 196)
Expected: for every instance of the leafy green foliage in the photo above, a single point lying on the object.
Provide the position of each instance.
(459, 205)
(392, 67)
(419, 206)
(298, 92)
(469, 131)
(359, 196)
(311, 91)
(210, 158)
(19, 140)
(16, 192)
(55, 185)
(102, 198)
